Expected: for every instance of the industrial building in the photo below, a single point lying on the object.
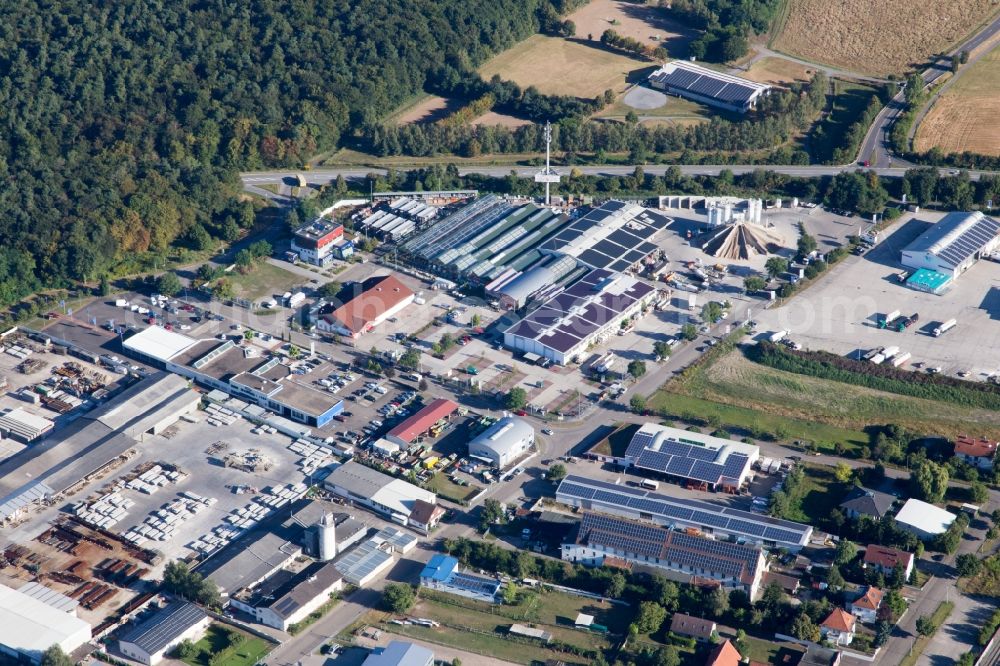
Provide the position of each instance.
(400, 653)
(380, 297)
(504, 442)
(241, 368)
(397, 219)
(288, 597)
(443, 573)
(686, 556)
(691, 457)
(954, 244)
(923, 519)
(711, 519)
(321, 241)
(418, 424)
(494, 240)
(147, 407)
(29, 626)
(150, 641)
(22, 425)
(249, 560)
(514, 290)
(373, 556)
(701, 84)
(379, 492)
(585, 314)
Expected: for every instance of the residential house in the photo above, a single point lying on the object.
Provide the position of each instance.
(977, 452)
(695, 627)
(866, 502)
(724, 654)
(425, 516)
(866, 607)
(838, 627)
(885, 559)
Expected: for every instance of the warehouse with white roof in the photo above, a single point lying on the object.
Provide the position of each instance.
(504, 442)
(701, 84)
(691, 457)
(29, 626)
(954, 244)
(923, 519)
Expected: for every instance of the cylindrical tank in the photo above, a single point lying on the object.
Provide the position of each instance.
(326, 538)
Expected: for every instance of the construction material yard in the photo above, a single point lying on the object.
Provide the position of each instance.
(964, 117)
(877, 37)
(559, 66)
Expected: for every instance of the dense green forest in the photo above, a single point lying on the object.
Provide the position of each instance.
(727, 25)
(124, 124)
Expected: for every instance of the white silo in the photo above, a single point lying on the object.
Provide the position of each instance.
(326, 538)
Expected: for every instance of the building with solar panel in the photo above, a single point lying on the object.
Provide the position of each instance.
(443, 573)
(687, 555)
(585, 314)
(954, 244)
(712, 462)
(700, 84)
(716, 520)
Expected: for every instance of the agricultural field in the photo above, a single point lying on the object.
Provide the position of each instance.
(557, 66)
(877, 37)
(777, 71)
(647, 24)
(964, 117)
(734, 381)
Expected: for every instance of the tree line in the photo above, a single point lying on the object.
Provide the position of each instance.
(726, 25)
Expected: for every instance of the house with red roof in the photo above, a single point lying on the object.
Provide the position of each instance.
(866, 607)
(885, 559)
(976, 452)
(724, 655)
(838, 627)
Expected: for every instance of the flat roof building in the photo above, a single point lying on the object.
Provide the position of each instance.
(923, 519)
(954, 244)
(315, 242)
(400, 653)
(379, 492)
(287, 598)
(713, 519)
(701, 84)
(416, 425)
(29, 626)
(587, 313)
(732, 565)
(370, 558)
(443, 573)
(504, 442)
(149, 641)
(381, 297)
(681, 454)
(22, 425)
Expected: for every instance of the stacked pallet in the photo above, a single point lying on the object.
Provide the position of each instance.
(220, 416)
(104, 512)
(163, 523)
(313, 457)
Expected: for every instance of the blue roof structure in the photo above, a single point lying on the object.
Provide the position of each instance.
(440, 568)
(927, 280)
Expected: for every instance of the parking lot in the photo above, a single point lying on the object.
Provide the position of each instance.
(840, 312)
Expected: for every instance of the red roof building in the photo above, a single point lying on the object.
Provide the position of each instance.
(724, 655)
(381, 297)
(838, 627)
(416, 425)
(886, 558)
(977, 452)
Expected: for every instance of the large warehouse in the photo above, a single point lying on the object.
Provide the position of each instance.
(733, 566)
(504, 442)
(28, 626)
(587, 313)
(379, 298)
(681, 454)
(379, 492)
(694, 82)
(954, 244)
(712, 519)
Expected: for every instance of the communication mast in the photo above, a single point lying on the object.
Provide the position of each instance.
(548, 175)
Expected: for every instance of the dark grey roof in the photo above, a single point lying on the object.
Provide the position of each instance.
(164, 627)
(706, 83)
(689, 625)
(956, 237)
(293, 594)
(868, 502)
(622, 247)
(611, 497)
(818, 656)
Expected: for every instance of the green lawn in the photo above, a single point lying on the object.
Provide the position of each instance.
(216, 649)
(265, 280)
(769, 652)
(448, 489)
(818, 492)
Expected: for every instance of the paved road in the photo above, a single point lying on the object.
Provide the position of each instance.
(764, 52)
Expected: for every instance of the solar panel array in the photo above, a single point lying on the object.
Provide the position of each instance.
(580, 491)
(690, 551)
(706, 84)
(618, 250)
(687, 461)
(565, 320)
(473, 583)
(971, 241)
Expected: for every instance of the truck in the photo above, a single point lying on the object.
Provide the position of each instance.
(778, 336)
(900, 359)
(877, 359)
(890, 351)
(692, 301)
(872, 353)
(945, 327)
(905, 322)
(888, 319)
(413, 376)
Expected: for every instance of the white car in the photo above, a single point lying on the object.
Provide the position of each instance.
(547, 431)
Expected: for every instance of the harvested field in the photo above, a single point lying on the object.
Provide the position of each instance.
(649, 25)
(964, 117)
(877, 36)
(428, 110)
(559, 66)
(777, 71)
(493, 118)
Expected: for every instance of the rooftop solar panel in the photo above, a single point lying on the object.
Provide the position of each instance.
(682, 78)
(632, 256)
(680, 466)
(594, 259)
(619, 265)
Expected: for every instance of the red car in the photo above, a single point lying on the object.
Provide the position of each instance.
(521, 412)
(340, 417)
